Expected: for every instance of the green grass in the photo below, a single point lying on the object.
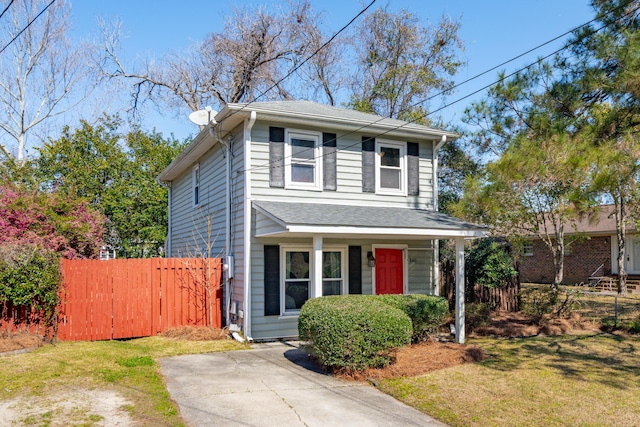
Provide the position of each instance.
(128, 367)
(581, 380)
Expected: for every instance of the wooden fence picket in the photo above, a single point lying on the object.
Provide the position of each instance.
(128, 298)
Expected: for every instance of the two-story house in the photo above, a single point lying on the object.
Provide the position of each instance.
(305, 200)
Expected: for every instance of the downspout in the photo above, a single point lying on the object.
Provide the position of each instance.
(247, 227)
(436, 245)
(228, 260)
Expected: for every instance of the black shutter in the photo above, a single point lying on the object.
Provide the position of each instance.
(276, 157)
(413, 168)
(271, 280)
(355, 269)
(368, 165)
(329, 180)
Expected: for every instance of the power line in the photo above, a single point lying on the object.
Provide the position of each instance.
(28, 25)
(294, 69)
(473, 78)
(6, 8)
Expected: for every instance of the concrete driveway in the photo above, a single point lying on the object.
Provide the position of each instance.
(276, 384)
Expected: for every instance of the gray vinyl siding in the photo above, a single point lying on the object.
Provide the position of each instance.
(349, 173)
(189, 229)
(270, 327)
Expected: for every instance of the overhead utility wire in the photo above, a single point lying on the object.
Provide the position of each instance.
(28, 25)
(294, 69)
(492, 69)
(6, 8)
(470, 79)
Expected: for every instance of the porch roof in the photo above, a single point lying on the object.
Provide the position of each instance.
(297, 219)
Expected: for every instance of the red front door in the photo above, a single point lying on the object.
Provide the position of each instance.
(389, 271)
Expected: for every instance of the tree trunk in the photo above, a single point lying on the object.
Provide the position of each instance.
(558, 264)
(622, 272)
(621, 234)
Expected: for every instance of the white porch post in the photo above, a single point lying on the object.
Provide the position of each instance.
(317, 267)
(460, 290)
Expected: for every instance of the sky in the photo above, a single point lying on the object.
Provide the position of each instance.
(493, 31)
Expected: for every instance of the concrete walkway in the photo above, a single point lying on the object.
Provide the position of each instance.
(276, 384)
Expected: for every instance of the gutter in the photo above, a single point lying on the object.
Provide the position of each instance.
(247, 225)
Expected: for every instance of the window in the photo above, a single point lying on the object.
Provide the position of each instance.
(297, 278)
(304, 165)
(195, 184)
(527, 249)
(390, 167)
(297, 283)
(333, 272)
(567, 250)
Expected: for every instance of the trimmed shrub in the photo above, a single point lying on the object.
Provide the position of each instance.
(353, 332)
(427, 312)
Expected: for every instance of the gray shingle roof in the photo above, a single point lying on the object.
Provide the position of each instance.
(315, 111)
(316, 214)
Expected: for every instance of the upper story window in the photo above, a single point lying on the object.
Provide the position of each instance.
(391, 170)
(303, 169)
(195, 184)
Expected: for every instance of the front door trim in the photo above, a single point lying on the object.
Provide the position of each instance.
(403, 248)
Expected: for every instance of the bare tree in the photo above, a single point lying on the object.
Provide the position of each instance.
(252, 55)
(40, 70)
(400, 63)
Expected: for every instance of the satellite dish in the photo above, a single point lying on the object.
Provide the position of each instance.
(203, 117)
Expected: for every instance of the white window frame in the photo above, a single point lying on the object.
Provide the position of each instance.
(527, 249)
(402, 146)
(283, 276)
(196, 194)
(344, 286)
(284, 312)
(317, 159)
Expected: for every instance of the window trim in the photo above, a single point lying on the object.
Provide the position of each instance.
(284, 248)
(317, 159)
(283, 276)
(402, 146)
(196, 194)
(344, 270)
(527, 249)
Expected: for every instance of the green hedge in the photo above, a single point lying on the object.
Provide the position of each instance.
(427, 312)
(30, 278)
(353, 332)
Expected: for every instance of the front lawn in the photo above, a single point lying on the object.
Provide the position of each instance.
(568, 380)
(86, 383)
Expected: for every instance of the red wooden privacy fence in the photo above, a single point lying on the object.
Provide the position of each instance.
(127, 298)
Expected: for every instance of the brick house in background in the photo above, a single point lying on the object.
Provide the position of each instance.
(596, 254)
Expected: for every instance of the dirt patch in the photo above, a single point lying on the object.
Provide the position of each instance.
(20, 340)
(513, 325)
(422, 358)
(196, 333)
(62, 408)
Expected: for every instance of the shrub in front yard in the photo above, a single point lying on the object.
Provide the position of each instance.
(30, 279)
(353, 332)
(543, 301)
(427, 312)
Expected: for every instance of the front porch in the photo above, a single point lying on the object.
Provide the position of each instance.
(313, 250)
